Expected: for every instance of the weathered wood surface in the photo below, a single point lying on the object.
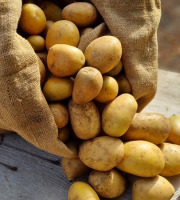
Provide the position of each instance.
(27, 173)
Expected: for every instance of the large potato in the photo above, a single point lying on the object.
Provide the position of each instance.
(142, 158)
(155, 188)
(104, 53)
(171, 154)
(83, 14)
(85, 119)
(118, 114)
(108, 184)
(87, 85)
(65, 60)
(102, 153)
(82, 191)
(152, 127)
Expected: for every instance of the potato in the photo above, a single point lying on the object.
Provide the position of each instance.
(87, 85)
(33, 19)
(64, 60)
(123, 84)
(174, 136)
(109, 90)
(152, 127)
(155, 188)
(142, 158)
(108, 184)
(48, 25)
(62, 32)
(171, 154)
(37, 42)
(51, 10)
(83, 14)
(118, 114)
(104, 53)
(42, 71)
(116, 70)
(63, 134)
(85, 119)
(60, 113)
(101, 153)
(82, 191)
(56, 88)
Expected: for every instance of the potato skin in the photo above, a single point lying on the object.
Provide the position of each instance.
(101, 153)
(85, 119)
(152, 127)
(156, 188)
(142, 158)
(171, 154)
(118, 114)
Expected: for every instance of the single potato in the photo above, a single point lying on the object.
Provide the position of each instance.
(104, 53)
(123, 84)
(56, 88)
(82, 191)
(171, 154)
(152, 127)
(48, 25)
(64, 134)
(116, 70)
(109, 90)
(33, 19)
(109, 184)
(118, 114)
(62, 32)
(83, 14)
(155, 188)
(87, 85)
(85, 119)
(142, 158)
(101, 153)
(42, 71)
(37, 42)
(64, 60)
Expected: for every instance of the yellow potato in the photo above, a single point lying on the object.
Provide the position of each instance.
(65, 60)
(33, 19)
(63, 134)
(83, 14)
(110, 184)
(118, 114)
(37, 42)
(48, 25)
(155, 188)
(171, 154)
(142, 158)
(101, 153)
(116, 70)
(42, 70)
(51, 10)
(56, 89)
(62, 32)
(174, 136)
(104, 53)
(82, 191)
(109, 90)
(123, 84)
(152, 127)
(87, 85)
(60, 113)
(85, 119)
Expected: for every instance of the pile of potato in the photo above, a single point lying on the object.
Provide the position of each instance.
(94, 109)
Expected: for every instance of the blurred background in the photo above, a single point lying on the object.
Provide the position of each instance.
(169, 36)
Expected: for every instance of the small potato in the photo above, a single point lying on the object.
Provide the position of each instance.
(37, 42)
(171, 154)
(85, 119)
(56, 89)
(65, 60)
(62, 32)
(63, 134)
(116, 70)
(110, 184)
(142, 158)
(82, 191)
(83, 14)
(33, 19)
(104, 53)
(152, 127)
(101, 153)
(155, 188)
(60, 113)
(118, 114)
(48, 25)
(123, 84)
(87, 85)
(42, 70)
(174, 136)
(109, 90)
